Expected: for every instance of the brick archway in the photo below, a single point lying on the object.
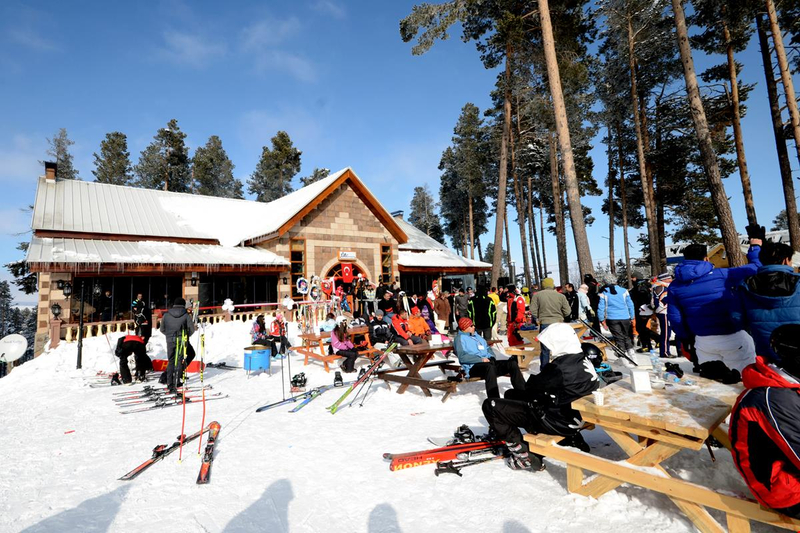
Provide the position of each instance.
(333, 262)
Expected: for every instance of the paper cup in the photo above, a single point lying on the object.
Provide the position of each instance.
(599, 398)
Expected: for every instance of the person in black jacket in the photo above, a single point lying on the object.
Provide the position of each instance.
(133, 345)
(642, 295)
(572, 300)
(379, 331)
(176, 321)
(142, 317)
(483, 313)
(544, 406)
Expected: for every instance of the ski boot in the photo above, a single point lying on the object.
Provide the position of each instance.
(115, 379)
(520, 458)
(337, 379)
(299, 382)
(361, 372)
(463, 435)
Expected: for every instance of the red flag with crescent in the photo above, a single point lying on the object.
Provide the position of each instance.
(347, 273)
(327, 286)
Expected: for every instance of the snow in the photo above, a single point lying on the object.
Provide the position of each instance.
(64, 447)
(437, 258)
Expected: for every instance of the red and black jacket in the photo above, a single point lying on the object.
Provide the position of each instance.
(765, 434)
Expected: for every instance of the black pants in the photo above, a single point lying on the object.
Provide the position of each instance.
(143, 365)
(507, 416)
(349, 363)
(645, 338)
(404, 342)
(489, 372)
(275, 340)
(621, 331)
(173, 373)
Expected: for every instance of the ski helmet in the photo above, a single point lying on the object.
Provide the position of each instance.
(592, 353)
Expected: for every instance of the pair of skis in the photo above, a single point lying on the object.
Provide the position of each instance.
(362, 379)
(162, 450)
(169, 402)
(304, 398)
(458, 454)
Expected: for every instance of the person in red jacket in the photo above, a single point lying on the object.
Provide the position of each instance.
(516, 316)
(277, 334)
(765, 425)
(400, 325)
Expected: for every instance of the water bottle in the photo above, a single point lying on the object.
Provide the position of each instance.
(656, 362)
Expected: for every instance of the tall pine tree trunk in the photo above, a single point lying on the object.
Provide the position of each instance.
(534, 238)
(623, 194)
(561, 232)
(523, 238)
(480, 250)
(786, 75)
(780, 141)
(471, 229)
(738, 138)
(545, 272)
(508, 251)
(565, 143)
(497, 256)
(647, 184)
(730, 238)
(611, 203)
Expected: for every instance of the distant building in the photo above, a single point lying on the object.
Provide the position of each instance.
(128, 240)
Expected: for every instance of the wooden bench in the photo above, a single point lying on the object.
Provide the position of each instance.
(315, 347)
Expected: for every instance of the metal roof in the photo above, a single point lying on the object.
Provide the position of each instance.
(417, 239)
(438, 259)
(93, 251)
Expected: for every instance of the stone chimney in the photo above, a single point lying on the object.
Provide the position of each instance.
(50, 168)
(397, 214)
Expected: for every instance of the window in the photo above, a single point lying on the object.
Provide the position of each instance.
(297, 249)
(386, 263)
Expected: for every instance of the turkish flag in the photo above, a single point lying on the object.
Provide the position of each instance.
(327, 286)
(347, 273)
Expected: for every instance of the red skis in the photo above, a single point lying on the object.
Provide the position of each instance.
(208, 457)
(401, 461)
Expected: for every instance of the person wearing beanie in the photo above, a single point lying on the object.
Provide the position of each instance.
(660, 291)
(175, 322)
(616, 313)
(544, 404)
(417, 326)
(402, 335)
(278, 335)
(388, 305)
(765, 424)
(478, 360)
(699, 303)
(379, 331)
(549, 307)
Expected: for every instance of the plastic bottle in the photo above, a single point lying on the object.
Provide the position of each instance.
(656, 362)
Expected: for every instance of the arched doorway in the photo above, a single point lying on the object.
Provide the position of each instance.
(336, 271)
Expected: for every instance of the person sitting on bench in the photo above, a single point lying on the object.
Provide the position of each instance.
(277, 334)
(343, 346)
(402, 334)
(380, 333)
(765, 424)
(478, 360)
(544, 405)
(418, 326)
(133, 345)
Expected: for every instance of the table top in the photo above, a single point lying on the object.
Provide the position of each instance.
(686, 410)
(422, 349)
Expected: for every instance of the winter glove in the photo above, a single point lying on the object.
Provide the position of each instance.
(754, 231)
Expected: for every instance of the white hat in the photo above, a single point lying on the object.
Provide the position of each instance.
(340, 319)
(560, 339)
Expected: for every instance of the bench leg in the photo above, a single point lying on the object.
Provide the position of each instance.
(738, 524)
(574, 478)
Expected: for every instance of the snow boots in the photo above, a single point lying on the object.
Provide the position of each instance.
(520, 458)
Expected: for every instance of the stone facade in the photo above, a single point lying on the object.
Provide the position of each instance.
(341, 222)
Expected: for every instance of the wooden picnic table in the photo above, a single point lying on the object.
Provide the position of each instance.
(416, 357)
(650, 428)
(529, 352)
(314, 346)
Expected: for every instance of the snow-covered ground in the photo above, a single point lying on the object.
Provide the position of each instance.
(64, 445)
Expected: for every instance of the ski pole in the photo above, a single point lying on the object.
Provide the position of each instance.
(366, 393)
(202, 364)
(183, 395)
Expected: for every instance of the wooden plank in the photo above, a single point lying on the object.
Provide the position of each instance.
(574, 478)
(737, 524)
(721, 434)
(645, 431)
(675, 488)
(703, 521)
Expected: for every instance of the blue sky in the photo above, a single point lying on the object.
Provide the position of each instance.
(335, 75)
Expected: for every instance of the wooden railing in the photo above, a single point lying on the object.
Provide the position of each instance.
(69, 332)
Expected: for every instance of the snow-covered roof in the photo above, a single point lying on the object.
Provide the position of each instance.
(417, 239)
(93, 251)
(438, 259)
(90, 207)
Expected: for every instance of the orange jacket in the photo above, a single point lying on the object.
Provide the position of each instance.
(400, 326)
(417, 326)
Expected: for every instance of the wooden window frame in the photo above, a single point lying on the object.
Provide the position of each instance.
(391, 262)
(292, 281)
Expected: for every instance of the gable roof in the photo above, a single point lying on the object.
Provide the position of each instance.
(74, 207)
(424, 252)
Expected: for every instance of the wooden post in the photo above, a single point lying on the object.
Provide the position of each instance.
(55, 332)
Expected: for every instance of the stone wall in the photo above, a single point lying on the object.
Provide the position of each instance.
(342, 222)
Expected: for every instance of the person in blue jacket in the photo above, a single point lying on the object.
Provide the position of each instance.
(768, 299)
(478, 360)
(617, 314)
(699, 309)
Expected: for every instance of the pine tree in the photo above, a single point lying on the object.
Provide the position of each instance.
(23, 277)
(315, 176)
(165, 163)
(59, 151)
(423, 213)
(272, 178)
(5, 309)
(113, 165)
(213, 171)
